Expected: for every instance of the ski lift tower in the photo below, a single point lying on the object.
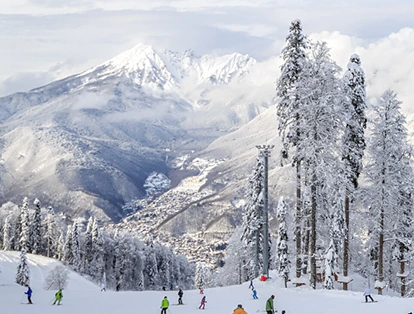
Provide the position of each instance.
(264, 151)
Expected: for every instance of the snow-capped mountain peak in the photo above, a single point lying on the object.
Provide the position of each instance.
(149, 67)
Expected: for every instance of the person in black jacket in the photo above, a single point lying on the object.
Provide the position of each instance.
(180, 296)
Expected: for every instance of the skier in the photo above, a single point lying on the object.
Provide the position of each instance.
(239, 310)
(58, 297)
(254, 294)
(171, 286)
(118, 286)
(203, 303)
(164, 305)
(29, 295)
(201, 291)
(163, 288)
(251, 284)
(367, 294)
(103, 287)
(270, 309)
(180, 296)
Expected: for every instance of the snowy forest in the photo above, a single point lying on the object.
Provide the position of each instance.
(351, 211)
(352, 208)
(111, 257)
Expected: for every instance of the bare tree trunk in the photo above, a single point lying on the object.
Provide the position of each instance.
(381, 250)
(346, 240)
(306, 240)
(402, 269)
(298, 221)
(312, 246)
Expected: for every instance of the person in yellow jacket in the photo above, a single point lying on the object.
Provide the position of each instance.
(239, 310)
(58, 297)
(164, 305)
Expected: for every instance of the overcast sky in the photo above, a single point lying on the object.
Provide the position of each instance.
(43, 40)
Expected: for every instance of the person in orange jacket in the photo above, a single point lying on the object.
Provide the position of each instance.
(239, 310)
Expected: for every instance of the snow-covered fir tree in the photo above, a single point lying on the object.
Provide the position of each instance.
(52, 232)
(36, 229)
(321, 95)
(23, 271)
(76, 246)
(252, 235)
(282, 250)
(87, 246)
(8, 234)
(389, 175)
(24, 238)
(199, 278)
(290, 116)
(97, 250)
(67, 248)
(163, 261)
(150, 270)
(353, 141)
(60, 250)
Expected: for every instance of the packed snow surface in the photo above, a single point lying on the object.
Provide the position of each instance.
(82, 296)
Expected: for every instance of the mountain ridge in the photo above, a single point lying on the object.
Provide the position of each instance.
(90, 140)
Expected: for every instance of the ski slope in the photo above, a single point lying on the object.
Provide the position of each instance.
(82, 296)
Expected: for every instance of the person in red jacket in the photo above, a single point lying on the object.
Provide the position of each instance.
(203, 303)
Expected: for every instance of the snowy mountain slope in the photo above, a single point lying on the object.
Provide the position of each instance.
(82, 296)
(88, 142)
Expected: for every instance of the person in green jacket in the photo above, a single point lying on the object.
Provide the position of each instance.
(58, 297)
(164, 305)
(270, 309)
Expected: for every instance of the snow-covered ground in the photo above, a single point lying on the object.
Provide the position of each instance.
(82, 296)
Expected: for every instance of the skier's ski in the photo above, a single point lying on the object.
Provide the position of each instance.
(369, 302)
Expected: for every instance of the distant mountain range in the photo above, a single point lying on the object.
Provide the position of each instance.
(86, 144)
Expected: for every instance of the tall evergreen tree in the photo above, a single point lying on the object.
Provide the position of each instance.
(252, 226)
(150, 270)
(353, 141)
(24, 238)
(36, 229)
(389, 174)
(321, 95)
(23, 271)
(52, 232)
(60, 254)
(76, 246)
(8, 234)
(289, 115)
(97, 252)
(199, 279)
(87, 246)
(282, 254)
(67, 248)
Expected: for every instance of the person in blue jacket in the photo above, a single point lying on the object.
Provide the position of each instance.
(254, 294)
(29, 295)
